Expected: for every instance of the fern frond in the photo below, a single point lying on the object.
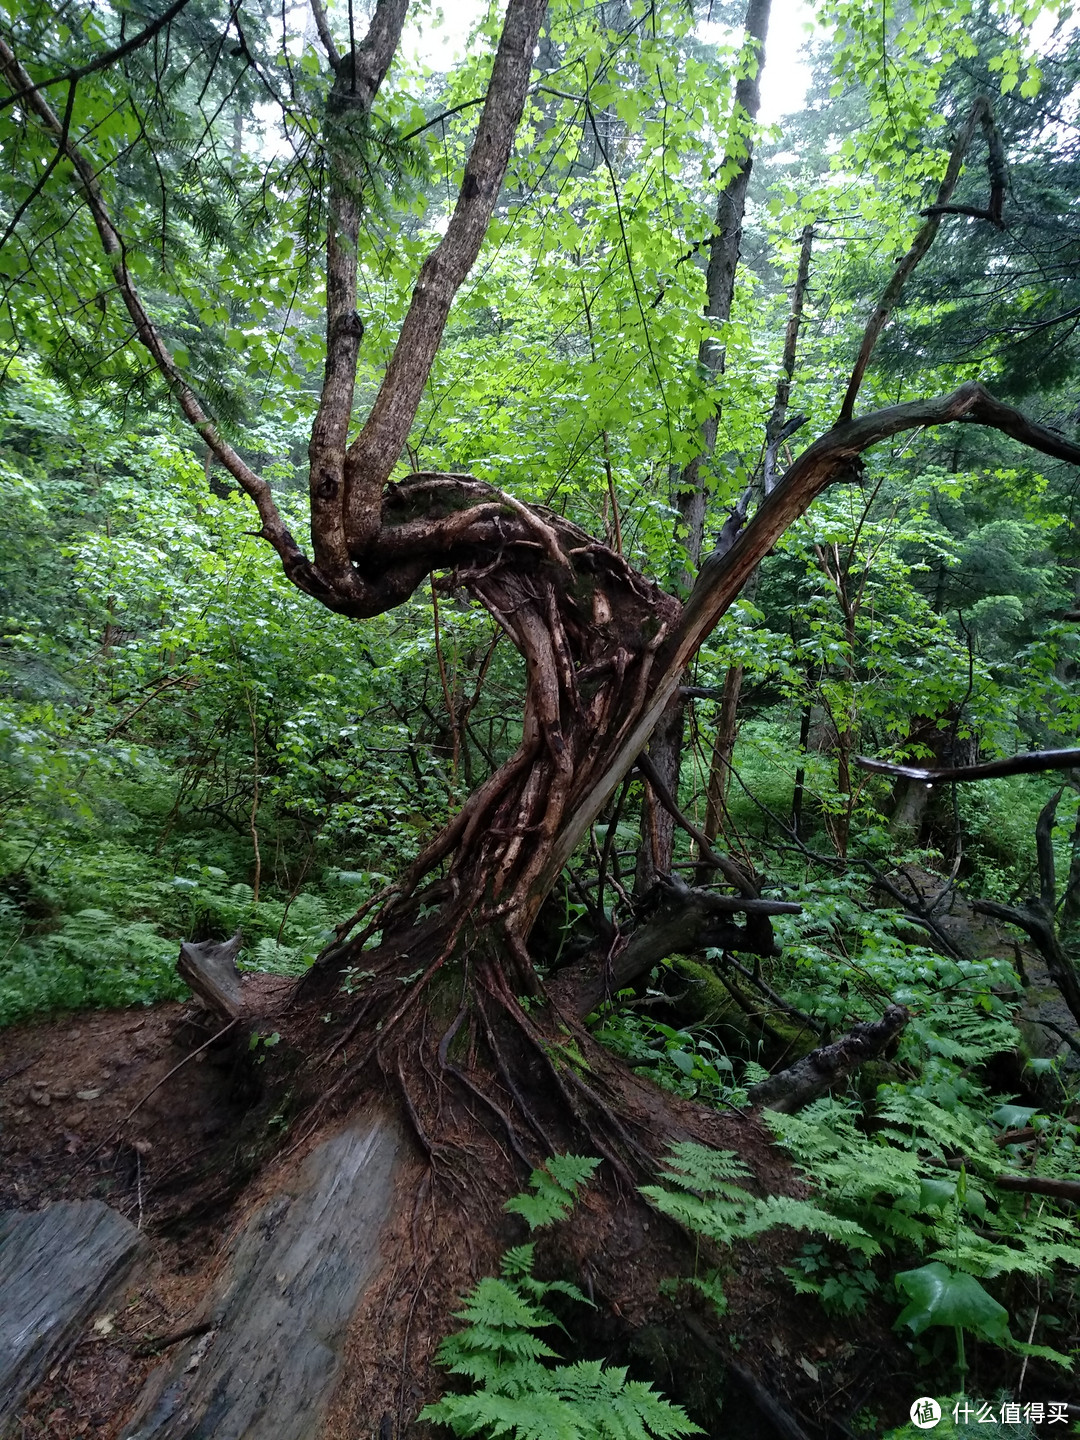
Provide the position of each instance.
(555, 1188)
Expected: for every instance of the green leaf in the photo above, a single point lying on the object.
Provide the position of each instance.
(940, 1296)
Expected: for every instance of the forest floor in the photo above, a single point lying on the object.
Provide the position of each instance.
(89, 1108)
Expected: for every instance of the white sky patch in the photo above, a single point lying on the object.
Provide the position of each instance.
(442, 40)
(786, 77)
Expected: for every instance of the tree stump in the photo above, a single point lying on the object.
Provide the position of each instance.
(210, 971)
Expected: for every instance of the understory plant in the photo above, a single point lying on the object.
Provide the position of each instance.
(518, 1388)
(919, 1177)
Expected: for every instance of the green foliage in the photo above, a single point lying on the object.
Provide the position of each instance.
(702, 1192)
(844, 1285)
(940, 1296)
(554, 1190)
(516, 1389)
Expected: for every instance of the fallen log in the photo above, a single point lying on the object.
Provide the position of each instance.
(1030, 762)
(264, 1352)
(58, 1266)
(789, 1090)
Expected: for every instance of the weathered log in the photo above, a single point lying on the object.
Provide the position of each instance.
(210, 971)
(269, 1357)
(791, 1089)
(689, 919)
(57, 1267)
(1030, 762)
(1041, 1185)
(1038, 923)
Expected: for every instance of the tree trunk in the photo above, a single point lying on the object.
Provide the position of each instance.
(446, 1021)
(666, 746)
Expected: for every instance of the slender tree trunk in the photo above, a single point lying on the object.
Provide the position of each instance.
(666, 746)
(776, 431)
(723, 750)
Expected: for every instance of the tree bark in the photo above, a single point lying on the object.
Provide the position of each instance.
(666, 745)
(811, 1077)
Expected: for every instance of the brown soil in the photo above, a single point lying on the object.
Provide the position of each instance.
(89, 1110)
(80, 1117)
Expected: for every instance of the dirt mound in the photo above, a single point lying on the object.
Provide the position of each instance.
(118, 1106)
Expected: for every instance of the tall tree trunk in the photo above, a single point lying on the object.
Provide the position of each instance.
(776, 432)
(691, 491)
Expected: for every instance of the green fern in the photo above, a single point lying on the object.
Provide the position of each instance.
(703, 1195)
(517, 1391)
(555, 1189)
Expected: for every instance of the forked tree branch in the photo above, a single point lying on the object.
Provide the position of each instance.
(358, 74)
(374, 453)
(980, 111)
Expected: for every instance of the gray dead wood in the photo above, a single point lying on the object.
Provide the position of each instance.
(279, 1315)
(210, 971)
(791, 1089)
(57, 1267)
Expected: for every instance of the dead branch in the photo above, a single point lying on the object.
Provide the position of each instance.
(826, 1067)
(780, 428)
(689, 919)
(1037, 1185)
(1038, 924)
(776, 1000)
(728, 868)
(1032, 762)
(980, 111)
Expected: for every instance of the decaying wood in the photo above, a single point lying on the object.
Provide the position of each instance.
(1038, 924)
(57, 1267)
(814, 1074)
(1040, 1185)
(210, 971)
(688, 919)
(270, 1354)
(1031, 762)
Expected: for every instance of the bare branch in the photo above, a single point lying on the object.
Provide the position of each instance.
(1033, 762)
(980, 110)
(819, 1071)
(730, 871)
(322, 25)
(779, 427)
